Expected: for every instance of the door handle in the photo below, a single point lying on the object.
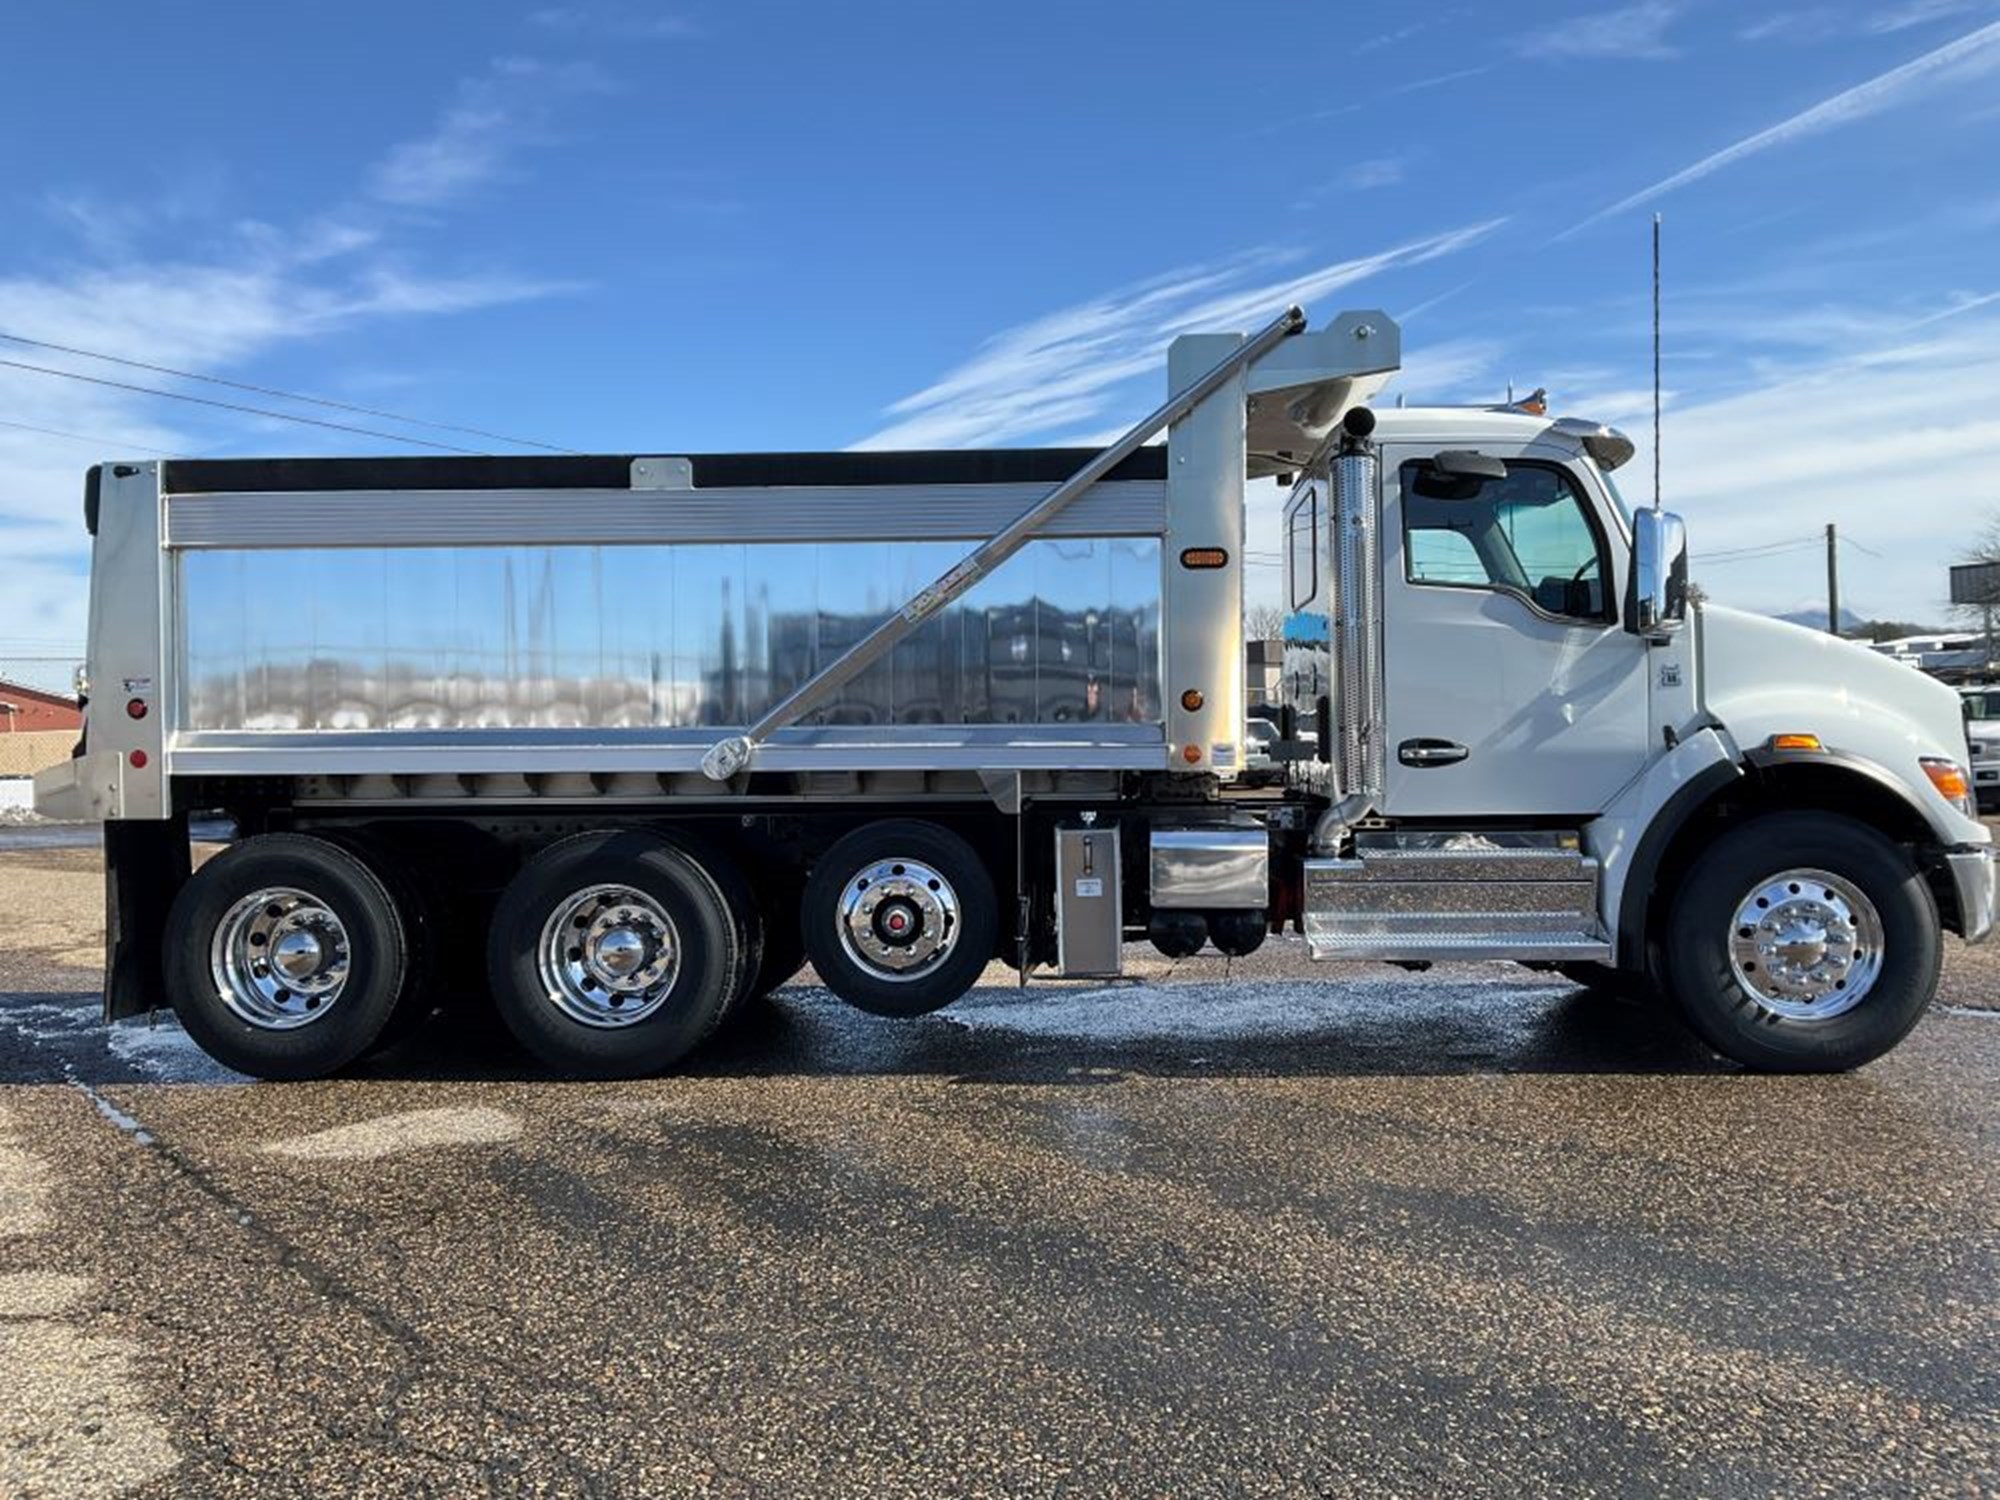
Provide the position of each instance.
(1430, 753)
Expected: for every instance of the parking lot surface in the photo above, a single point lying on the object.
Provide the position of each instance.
(1252, 1229)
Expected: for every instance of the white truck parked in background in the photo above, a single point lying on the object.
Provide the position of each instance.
(1981, 706)
(624, 738)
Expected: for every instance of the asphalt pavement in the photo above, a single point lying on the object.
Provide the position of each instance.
(1260, 1228)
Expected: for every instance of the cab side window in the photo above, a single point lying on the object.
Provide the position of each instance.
(1302, 562)
(1530, 534)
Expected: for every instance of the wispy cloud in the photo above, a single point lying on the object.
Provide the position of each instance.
(1638, 31)
(1436, 80)
(1976, 52)
(1819, 23)
(1390, 38)
(1828, 438)
(1357, 177)
(144, 286)
(1376, 172)
(618, 23)
(1062, 371)
(493, 115)
(1920, 13)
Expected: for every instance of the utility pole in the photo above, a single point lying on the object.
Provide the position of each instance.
(1832, 579)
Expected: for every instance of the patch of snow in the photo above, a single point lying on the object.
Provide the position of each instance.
(1244, 1009)
(162, 1048)
(127, 1123)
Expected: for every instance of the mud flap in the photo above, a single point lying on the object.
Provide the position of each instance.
(145, 865)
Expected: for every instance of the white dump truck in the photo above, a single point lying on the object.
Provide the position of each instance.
(627, 738)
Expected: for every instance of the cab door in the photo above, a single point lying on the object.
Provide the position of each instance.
(1512, 689)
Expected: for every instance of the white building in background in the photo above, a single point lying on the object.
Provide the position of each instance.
(1958, 656)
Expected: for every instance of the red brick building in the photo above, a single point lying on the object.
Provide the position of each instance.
(25, 710)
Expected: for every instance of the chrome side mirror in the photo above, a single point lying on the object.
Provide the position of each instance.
(1656, 598)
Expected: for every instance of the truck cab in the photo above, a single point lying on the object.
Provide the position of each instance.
(1575, 759)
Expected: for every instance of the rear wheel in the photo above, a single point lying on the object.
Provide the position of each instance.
(614, 954)
(285, 957)
(899, 917)
(1803, 943)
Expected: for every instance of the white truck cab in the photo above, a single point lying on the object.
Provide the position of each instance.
(1578, 758)
(647, 730)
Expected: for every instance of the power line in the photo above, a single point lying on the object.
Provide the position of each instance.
(1760, 557)
(96, 442)
(255, 411)
(1761, 549)
(267, 390)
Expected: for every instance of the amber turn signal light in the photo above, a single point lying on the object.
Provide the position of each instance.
(1796, 742)
(1191, 754)
(1192, 699)
(1948, 777)
(1204, 557)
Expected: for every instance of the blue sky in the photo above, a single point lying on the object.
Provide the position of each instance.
(632, 227)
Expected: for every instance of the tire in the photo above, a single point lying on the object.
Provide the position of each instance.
(417, 905)
(930, 871)
(331, 910)
(784, 953)
(745, 911)
(1892, 959)
(567, 1015)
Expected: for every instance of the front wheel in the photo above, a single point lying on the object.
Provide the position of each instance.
(1803, 943)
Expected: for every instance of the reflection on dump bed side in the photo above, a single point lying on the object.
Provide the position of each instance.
(347, 639)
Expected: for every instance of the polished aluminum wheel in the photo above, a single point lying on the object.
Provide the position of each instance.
(280, 958)
(898, 919)
(609, 956)
(1806, 945)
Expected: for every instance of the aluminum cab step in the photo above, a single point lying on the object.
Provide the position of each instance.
(1433, 895)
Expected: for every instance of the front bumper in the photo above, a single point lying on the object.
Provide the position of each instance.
(1972, 876)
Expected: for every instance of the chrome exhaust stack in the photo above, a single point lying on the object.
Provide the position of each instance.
(1355, 610)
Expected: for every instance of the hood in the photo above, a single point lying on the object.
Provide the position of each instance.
(1762, 677)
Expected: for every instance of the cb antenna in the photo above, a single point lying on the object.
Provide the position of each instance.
(1656, 361)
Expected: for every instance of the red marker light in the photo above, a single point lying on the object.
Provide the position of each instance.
(135, 708)
(138, 759)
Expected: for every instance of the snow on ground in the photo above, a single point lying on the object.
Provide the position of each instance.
(160, 1048)
(17, 798)
(1224, 1003)
(72, 1027)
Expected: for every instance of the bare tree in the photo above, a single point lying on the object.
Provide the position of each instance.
(1263, 622)
(1983, 548)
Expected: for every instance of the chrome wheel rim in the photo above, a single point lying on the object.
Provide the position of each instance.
(280, 958)
(898, 919)
(1806, 945)
(609, 956)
